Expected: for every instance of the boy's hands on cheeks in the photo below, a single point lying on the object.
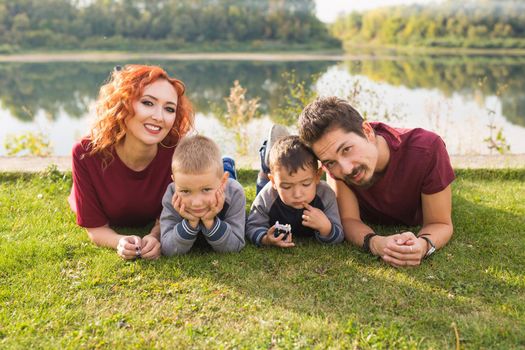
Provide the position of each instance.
(316, 219)
(270, 239)
(176, 201)
(215, 208)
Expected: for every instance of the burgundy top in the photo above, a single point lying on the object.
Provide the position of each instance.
(117, 195)
(419, 163)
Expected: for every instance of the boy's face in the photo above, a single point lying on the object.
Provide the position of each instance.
(298, 188)
(197, 191)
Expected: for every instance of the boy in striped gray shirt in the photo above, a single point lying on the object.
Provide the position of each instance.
(201, 201)
(295, 196)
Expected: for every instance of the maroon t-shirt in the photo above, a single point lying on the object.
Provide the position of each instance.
(117, 195)
(419, 163)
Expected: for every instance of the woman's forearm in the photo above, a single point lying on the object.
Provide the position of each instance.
(104, 236)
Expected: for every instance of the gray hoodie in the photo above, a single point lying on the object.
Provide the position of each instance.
(226, 235)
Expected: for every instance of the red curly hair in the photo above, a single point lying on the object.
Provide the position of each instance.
(115, 104)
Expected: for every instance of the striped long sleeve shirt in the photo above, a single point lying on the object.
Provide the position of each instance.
(226, 235)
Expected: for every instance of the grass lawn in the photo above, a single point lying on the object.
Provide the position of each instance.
(57, 290)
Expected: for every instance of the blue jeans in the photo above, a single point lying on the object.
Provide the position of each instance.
(262, 177)
(229, 165)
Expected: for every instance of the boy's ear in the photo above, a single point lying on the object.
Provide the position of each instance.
(224, 179)
(172, 178)
(270, 176)
(318, 175)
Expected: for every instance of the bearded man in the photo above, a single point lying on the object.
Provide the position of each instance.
(383, 175)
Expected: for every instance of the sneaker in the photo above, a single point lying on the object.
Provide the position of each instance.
(276, 132)
(262, 180)
(229, 165)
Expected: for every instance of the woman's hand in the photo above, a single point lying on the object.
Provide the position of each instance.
(129, 247)
(150, 248)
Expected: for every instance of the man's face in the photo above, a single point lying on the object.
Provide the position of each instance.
(347, 156)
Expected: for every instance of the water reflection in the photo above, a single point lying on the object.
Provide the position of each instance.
(472, 77)
(28, 88)
(457, 93)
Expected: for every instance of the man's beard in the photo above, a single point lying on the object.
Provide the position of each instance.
(348, 179)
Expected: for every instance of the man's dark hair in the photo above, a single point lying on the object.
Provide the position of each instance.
(291, 153)
(326, 114)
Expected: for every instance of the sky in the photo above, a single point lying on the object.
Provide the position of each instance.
(327, 10)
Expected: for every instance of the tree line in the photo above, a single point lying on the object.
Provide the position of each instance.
(160, 24)
(471, 24)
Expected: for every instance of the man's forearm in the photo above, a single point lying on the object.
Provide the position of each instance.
(438, 233)
(355, 231)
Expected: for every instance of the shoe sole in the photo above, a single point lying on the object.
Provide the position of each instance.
(276, 132)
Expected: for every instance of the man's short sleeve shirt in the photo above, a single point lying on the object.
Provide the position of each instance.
(419, 163)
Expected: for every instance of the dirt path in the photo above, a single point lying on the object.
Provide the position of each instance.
(367, 53)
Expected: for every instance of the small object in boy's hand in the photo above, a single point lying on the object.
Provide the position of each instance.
(282, 229)
(137, 249)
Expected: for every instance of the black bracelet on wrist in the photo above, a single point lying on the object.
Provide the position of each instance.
(431, 247)
(366, 242)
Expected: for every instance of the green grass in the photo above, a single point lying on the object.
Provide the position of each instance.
(57, 290)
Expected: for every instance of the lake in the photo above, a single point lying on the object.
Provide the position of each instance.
(473, 102)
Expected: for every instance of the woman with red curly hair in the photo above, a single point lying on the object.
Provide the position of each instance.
(121, 170)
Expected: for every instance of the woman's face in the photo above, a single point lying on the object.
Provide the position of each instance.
(155, 112)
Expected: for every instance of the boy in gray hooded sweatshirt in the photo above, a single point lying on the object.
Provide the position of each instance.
(201, 201)
(295, 196)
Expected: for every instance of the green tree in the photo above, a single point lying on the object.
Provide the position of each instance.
(21, 23)
(137, 23)
(485, 23)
